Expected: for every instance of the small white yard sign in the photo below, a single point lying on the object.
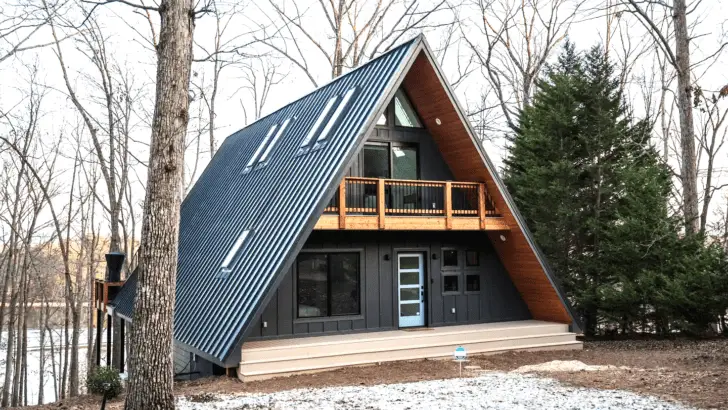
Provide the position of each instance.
(460, 356)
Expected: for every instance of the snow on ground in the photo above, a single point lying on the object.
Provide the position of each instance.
(49, 387)
(492, 390)
(566, 366)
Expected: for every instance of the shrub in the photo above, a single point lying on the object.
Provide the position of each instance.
(104, 381)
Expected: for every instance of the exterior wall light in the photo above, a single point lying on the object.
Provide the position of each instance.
(503, 238)
(437, 121)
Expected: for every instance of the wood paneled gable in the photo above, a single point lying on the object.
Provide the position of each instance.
(437, 109)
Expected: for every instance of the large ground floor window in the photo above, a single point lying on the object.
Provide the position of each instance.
(328, 284)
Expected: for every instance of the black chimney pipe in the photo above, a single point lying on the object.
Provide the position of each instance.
(114, 263)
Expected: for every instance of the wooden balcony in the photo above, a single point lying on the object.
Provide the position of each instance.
(392, 204)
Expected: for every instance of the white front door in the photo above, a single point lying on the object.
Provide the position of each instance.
(411, 274)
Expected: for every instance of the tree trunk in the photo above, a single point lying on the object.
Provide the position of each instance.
(75, 337)
(150, 362)
(687, 134)
(42, 318)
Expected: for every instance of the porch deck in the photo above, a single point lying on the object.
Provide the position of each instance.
(394, 204)
(271, 358)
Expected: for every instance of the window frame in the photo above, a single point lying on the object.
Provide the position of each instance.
(477, 258)
(329, 318)
(456, 275)
(480, 283)
(390, 155)
(442, 259)
(414, 110)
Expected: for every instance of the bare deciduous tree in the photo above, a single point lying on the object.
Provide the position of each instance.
(150, 362)
(668, 26)
(354, 30)
(516, 39)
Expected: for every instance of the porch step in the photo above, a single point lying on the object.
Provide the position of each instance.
(321, 355)
(344, 344)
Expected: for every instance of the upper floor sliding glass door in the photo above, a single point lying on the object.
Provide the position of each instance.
(390, 160)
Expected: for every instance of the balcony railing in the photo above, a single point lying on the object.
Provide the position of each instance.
(445, 202)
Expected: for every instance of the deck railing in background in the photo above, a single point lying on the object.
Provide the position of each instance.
(372, 196)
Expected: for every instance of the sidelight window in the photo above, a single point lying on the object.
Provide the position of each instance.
(328, 284)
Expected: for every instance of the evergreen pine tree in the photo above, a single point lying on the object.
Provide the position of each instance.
(595, 194)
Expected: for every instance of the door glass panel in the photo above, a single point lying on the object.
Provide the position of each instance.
(376, 161)
(409, 278)
(409, 309)
(409, 262)
(409, 294)
(404, 161)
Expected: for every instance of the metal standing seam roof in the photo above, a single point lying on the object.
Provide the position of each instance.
(123, 303)
(277, 203)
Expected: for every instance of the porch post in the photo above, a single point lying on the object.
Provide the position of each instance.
(342, 204)
(481, 205)
(380, 202)
(448, 205)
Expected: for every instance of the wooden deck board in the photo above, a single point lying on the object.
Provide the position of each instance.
(270, 358)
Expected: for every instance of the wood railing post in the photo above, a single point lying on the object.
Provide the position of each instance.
(481, 205)
(342, 204)
(448, 205)
(381, 203)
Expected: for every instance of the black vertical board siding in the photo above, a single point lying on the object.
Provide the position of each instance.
(498, 299)
(286, 304)
(371, 295)
(386, 282)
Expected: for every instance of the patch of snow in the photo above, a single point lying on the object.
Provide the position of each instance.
(489, 391)
(566, 366)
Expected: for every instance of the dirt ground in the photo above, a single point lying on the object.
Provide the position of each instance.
(687, 371)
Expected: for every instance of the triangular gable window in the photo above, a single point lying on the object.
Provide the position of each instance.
(404, 114)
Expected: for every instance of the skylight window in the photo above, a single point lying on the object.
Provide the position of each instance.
(264, 157)
(340, 109)
(262, 145)
(319, 120)
(233, 254)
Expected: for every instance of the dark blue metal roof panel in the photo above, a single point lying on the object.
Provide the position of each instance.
(274, 202)
(123, 303)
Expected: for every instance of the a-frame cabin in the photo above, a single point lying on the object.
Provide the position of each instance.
(322, 234)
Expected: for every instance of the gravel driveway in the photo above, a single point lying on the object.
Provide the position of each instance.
(492, 390)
